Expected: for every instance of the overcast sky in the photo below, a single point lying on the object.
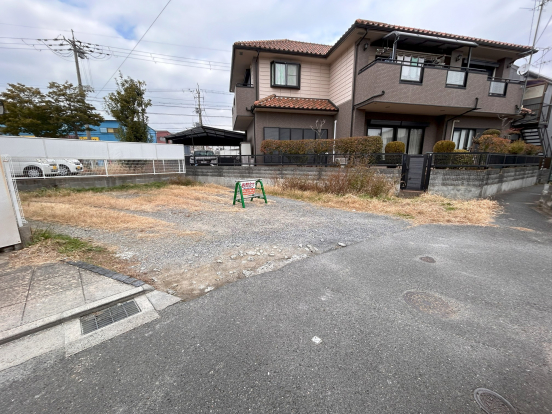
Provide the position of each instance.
(196, 38)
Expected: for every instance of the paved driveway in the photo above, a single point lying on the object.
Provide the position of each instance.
(398, 334)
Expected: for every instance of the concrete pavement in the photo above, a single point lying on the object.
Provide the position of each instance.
(398, 334)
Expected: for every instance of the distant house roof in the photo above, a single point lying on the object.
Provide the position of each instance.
(316, 49)
(285, 102)
(206, 135)
(288, 46)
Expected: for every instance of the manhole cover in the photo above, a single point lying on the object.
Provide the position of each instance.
(427, 259)
(100, 319)
(492, 403)
(428, 303)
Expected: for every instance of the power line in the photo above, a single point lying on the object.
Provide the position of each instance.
(545, 27)
(115, 37)
(135, 46)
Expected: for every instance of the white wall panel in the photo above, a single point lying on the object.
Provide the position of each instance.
(70, 148)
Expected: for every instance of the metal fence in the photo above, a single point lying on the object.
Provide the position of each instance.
(309, 160)
(12, 189)
(51, 157)
(25, 167)
(483, 160)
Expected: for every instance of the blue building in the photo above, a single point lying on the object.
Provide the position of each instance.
(106, 131)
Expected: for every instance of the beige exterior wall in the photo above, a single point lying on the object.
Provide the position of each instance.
(315, 79)
(341, 77)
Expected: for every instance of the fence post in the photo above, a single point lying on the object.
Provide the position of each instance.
(105, 166)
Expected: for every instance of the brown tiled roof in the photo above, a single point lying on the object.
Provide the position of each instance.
(441, 34)
(285, 102)
(286, 45)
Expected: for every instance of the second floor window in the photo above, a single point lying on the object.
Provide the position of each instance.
(285, 74)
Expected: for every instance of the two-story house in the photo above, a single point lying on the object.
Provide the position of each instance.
(411, 85)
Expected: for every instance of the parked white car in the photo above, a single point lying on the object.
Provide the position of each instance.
(34, 167)
(69, 166)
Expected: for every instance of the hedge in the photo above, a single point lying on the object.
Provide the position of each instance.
(395, 147)
(444, 146)
(493, 144)
(349, 146)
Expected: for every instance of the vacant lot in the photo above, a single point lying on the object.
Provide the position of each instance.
(190, 239)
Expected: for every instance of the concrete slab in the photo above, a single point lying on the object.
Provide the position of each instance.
(54, 270)
(13, 295)
(11, 316)
(54, 304)
(8, 280)
(104, 288)
(46, 287)
(161, 300)
(88, 277)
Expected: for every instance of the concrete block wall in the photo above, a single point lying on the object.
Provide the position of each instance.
(470, 184)
(29, 184)
(227, 176)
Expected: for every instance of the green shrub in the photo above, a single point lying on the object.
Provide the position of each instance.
(517, 147)
(493, 144)
(462, 159)
(395, 147)
(494, 132)
(351, 146)
(444, 146)
(531, 149)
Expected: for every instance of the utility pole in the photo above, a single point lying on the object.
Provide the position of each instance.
(541, 5)
(77, 52)
(198, 110)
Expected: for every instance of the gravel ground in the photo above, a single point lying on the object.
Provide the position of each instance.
(237, 243)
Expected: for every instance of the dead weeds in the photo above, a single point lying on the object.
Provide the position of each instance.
(110, 210)
(426, 209)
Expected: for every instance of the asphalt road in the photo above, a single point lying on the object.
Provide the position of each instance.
(479, 316)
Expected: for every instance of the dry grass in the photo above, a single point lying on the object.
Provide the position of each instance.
(426, 209)
(111, 211)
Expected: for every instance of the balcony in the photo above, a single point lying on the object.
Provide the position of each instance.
(244, 97)
(433, 90)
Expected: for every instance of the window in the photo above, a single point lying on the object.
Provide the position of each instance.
(463, 138)
(285, 75)
(103, 130)
(497, 88)
(295, 134)
(411, 69)
(456, 78)
(413, 138)
(112, 130)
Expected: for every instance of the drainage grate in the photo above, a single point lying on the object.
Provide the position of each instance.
(100, 319)
(492, 403)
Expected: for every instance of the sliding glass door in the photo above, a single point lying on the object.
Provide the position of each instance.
(413, 138)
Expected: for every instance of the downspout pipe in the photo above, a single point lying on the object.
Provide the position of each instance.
(458, 116)
(354, 81)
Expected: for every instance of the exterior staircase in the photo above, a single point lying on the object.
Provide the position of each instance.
(540, 137)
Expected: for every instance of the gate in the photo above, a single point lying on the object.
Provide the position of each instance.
(416, 170)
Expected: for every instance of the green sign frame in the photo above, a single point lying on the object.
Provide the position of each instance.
(238, 187)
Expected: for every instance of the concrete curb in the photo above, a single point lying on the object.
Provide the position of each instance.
(53, 320)
(110, 274)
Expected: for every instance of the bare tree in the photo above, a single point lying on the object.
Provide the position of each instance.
(317, 128)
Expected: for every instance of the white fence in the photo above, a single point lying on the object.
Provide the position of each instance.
(54, 157)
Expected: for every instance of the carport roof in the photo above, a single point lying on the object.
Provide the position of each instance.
(206, 135)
